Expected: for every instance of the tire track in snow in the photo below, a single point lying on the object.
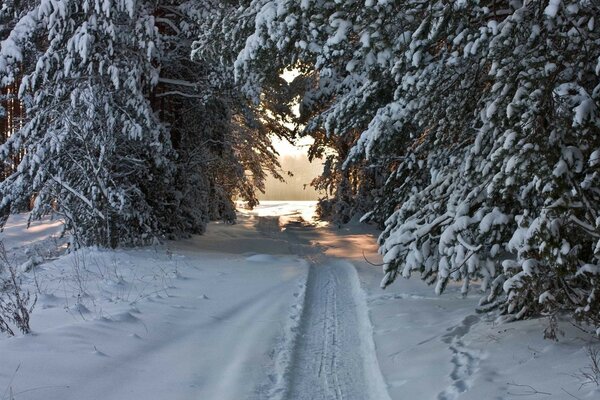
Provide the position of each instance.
(332, 359)
(332, 348)
(236, 331)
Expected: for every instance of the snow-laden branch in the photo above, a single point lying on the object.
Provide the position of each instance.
(179, 93)
(78, 195)
(468, 246)
(178, 82)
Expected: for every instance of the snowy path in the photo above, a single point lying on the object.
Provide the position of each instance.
(210, 334)
(333, 357)
(202, 354)
(254, 311)
(328, 363)
(272, 308)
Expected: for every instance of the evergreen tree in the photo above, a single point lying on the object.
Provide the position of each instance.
(93, 149)
(481, 119)
(126, 137)
(509, 172)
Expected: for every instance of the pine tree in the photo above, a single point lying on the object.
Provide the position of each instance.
(482, 119)
(93, 150)
(127, 138)
(519, 186)
(541, 151)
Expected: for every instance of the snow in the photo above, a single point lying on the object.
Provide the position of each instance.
(260, 258)
(276, 306)
(589, 268)
(17, 234)
(155, 324)
(494, 217)
(552, 8)
(341, 33)
(584, 111)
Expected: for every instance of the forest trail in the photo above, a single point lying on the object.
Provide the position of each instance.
(275, 307)
(265, 309)
(333, 355)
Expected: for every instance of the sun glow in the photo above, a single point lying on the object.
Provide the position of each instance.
(294, 159)
(285, 148)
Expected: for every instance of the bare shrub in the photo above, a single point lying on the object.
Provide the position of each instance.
(553, 331)
(591, 374)
(16, 303)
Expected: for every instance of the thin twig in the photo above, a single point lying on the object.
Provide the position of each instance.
(369, 262)
(463, 263)
(11, 381)
(533, 390)
(575, 397)
(582, 329)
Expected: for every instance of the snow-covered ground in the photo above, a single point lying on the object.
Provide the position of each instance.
(274, 307)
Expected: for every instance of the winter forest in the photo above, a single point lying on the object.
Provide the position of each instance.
(456, 142)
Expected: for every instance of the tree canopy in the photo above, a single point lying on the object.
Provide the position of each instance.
(469, 130)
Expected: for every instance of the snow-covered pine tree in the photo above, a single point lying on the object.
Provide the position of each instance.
(540, 136)
(93, 150)
(497, 89)
(519, 189)
(485, 117)
(428, 129)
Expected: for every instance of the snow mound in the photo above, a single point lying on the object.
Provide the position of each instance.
(261, 258)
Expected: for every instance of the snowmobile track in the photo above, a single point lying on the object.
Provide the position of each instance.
(328, 363)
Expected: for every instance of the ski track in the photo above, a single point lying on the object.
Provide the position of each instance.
(333, 357)
(327, 363)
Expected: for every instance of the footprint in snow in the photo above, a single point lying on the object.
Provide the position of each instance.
(464, 360)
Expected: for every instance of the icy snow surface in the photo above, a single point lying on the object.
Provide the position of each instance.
(275, 307)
